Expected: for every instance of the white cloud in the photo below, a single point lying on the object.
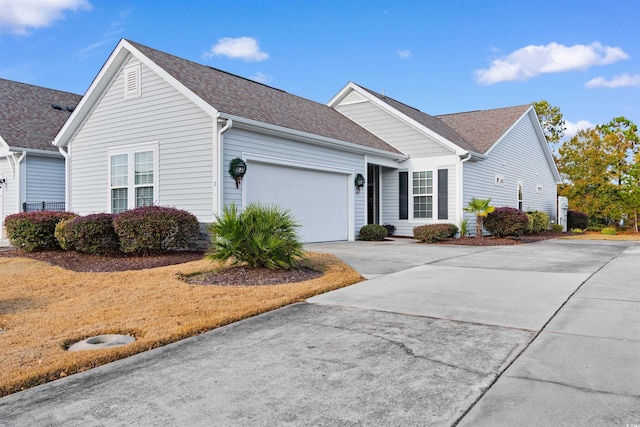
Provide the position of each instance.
(245, 48)
(113, 33)
(531, 61)
(573, 128)
(622, 80)
(405, 53)
(261, 77)
(18, 16)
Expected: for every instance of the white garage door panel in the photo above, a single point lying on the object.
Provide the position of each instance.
(318, 200)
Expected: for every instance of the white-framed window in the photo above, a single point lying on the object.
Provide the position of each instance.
(499, 179)
(520, 194)
(132, 81)
(422, 194)
(132, 177)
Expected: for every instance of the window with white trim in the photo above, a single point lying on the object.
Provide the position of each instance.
(132, 81)
(132, 177)
(423, 194)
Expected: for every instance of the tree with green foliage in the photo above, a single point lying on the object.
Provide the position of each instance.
(551, 120)
(597, 165)
(630, 192)
(481, 208)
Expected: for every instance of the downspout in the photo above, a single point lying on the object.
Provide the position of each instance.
(18, 181)
(67, 178)
(461, 194)
(226, 127)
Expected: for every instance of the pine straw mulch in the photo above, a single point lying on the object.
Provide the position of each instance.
(501, 241)
(44, 308)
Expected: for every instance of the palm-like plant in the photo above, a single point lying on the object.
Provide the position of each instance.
(481, 208)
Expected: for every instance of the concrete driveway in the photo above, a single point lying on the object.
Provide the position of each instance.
(537, 334)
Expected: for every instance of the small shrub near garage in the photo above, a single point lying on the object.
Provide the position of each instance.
(556, 228)
(505, 221)
(260, 236)
(33, 231)
(609, 231)
(155, 229)
(577, 219)
(432, 233)
(538, 222)
(90, 234)
(373, 232)
(390, 228)
(60, 235)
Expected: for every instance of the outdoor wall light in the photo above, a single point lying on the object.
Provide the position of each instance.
(3, 182)
(237, 169)
(359, 181)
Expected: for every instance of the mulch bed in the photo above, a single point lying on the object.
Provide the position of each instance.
(243, 276)
(499, 241)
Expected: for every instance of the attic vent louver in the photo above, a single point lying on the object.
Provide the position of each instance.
(56, 106)
(132, 81)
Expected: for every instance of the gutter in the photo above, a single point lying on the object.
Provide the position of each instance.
(17, 174)
(228, 123)
(67, 178)
(45, 153)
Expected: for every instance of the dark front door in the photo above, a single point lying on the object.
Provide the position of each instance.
(373, 194)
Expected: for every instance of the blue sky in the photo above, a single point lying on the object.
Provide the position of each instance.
(438, 56)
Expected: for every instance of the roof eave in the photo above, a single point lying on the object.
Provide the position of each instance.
(269, 128)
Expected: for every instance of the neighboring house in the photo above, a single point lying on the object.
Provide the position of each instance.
(155, 128)
(31, 169)
(500, 154)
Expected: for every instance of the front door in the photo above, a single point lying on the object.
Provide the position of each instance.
(373, 194)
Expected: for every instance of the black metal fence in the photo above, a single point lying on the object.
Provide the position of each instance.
(43, 206)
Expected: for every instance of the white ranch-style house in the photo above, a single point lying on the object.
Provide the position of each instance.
(155, 128)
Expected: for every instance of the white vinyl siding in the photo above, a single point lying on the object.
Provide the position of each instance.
(44, 179)
(517, 157)
(392, 130)
(185, 173)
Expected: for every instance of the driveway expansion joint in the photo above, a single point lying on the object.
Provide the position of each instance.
(574, 387)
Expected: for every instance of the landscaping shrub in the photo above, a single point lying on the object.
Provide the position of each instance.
(260, 236)
(390, 228)
(31, 231)
(60, 236)
(432, 233)
(91, 234)
(464, 228)
(610, 231)
(577, 230)
(373, 232)
(538, 222)
(505, 221)
(576, 219)
(556, 228)
(154, 229)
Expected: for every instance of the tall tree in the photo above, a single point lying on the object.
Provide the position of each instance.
(598, 165)
(552, 122)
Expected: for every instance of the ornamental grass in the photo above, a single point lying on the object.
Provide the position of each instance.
(44, 309)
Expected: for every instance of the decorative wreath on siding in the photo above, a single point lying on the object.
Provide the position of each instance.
(237, 169)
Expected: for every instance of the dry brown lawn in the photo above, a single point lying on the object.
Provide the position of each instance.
(44, 309)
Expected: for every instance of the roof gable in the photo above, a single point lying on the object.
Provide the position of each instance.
(483, 128)
(28, 119)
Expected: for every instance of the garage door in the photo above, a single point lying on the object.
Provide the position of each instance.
(317, 199)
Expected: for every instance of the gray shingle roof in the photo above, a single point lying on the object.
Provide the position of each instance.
(483, 128)
(245, 98)
(475, 130)
(27, 118)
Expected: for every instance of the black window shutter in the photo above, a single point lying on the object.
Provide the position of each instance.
(404, 195)
(443, 194)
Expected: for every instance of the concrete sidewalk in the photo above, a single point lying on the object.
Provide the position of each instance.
(418, 344)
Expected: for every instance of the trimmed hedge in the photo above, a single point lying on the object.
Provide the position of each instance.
(90, 234)
(538, 222)
(556, 228)
(373, 232)
(505, 221)
(610, 231)
(432, 233)
(154, 229)
(576, 219)
(32, 231)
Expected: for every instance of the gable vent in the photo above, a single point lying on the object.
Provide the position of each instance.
(132, 82)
